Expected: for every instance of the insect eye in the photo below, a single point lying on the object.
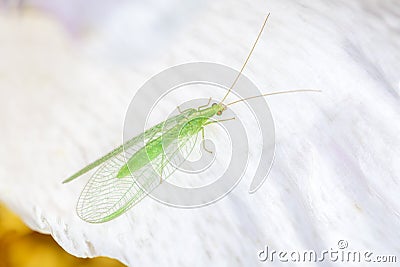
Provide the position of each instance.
(219, 113)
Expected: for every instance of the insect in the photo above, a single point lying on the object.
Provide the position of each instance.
(129, 172)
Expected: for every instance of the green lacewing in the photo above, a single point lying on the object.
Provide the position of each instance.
(129, 172)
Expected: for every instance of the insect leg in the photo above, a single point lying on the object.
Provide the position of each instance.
(204, 141)
(209, 101)
(180, 111)
(202, 132)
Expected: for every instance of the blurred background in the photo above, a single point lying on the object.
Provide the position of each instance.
(20, 246)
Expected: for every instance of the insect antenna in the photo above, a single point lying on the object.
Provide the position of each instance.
(247, 59)
(273, 93)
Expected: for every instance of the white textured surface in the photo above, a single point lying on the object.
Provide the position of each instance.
(336, 172)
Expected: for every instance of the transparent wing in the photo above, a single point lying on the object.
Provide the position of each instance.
(167, 163)
(106, 197)
(137, 141)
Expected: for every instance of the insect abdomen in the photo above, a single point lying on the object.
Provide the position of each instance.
(155, 147)
(143, 156)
